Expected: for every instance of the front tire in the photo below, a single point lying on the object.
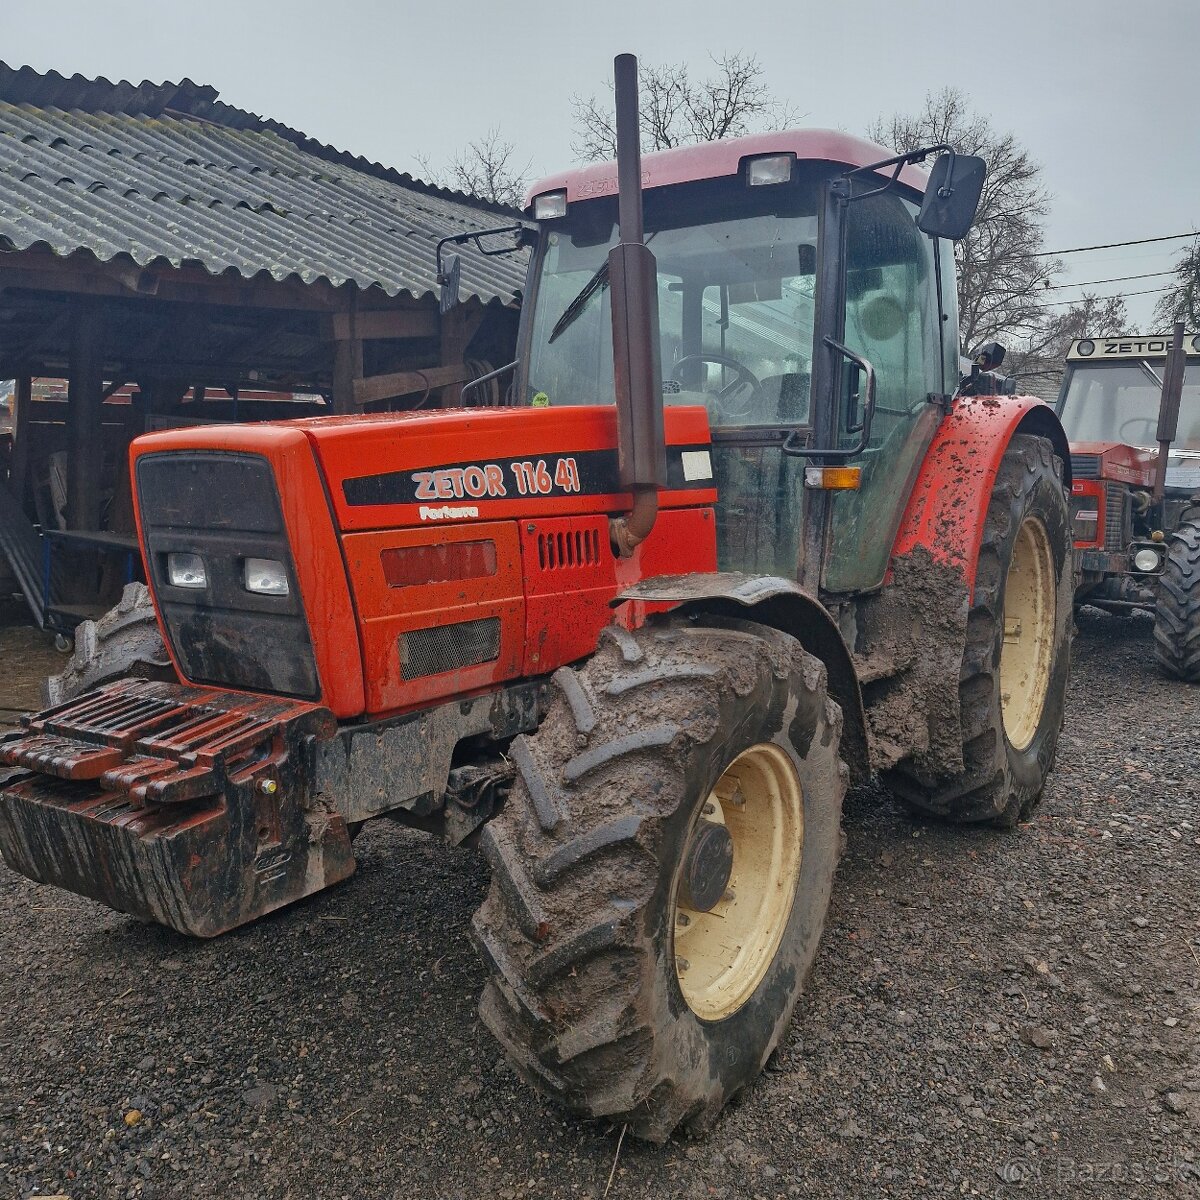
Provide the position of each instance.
(611, 987)
(1177, 610)
(124, 642)
(1013, 680)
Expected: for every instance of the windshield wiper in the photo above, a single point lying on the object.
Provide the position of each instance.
(598, 280)
(1150, 371)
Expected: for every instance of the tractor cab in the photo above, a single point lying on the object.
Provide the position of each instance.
(1110, 398)
(1133, 421)
(806, 325)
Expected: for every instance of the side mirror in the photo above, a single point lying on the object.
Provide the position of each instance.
(989, 356)
(952, 196)
(449, 279)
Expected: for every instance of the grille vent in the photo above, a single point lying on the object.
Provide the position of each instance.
(1114, 517)
(449, 647)
(1085, 466)
(568, 548)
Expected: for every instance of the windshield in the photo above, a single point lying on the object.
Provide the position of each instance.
(735, 299)
(1119, 403)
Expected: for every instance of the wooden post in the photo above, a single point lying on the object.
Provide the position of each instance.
(84, 388)
(347, 359)
(459, 326)
(22, 415)
(347, 370)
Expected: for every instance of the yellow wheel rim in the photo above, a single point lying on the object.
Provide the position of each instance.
(1027, 653)
(722, 955)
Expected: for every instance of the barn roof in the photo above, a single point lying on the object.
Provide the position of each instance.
(169, 174)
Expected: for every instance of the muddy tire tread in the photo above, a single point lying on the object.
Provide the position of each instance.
(1177, 612)
(560, 925)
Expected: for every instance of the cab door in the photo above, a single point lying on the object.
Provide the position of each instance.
(889, 317)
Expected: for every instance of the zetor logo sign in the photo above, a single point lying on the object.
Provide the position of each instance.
(478, 481)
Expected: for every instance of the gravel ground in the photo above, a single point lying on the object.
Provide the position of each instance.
(991, 1014)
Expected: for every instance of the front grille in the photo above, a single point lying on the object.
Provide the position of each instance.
(1085, 466)
(449, 647)
(225, 507)
(1115, 502)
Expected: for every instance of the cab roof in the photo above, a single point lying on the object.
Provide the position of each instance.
(715, 160)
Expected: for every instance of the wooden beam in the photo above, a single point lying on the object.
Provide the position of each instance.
(84, 388)
(404, 383)
(84, 275)
(23, 401)
(386, 323)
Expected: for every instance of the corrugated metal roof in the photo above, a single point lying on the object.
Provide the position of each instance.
(167, 173)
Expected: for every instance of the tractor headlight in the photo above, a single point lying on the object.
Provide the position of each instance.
(186, 571)
(1147, 559)
(265, 577)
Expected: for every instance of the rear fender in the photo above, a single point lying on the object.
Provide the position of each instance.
(948, 505)
(783, 605)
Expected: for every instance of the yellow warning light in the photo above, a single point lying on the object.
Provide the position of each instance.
(833, 479)
(1158, 536)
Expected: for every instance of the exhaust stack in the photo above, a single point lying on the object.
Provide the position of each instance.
(1168, 409)
(637, 371)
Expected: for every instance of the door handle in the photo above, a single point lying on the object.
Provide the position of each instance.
(861, 427)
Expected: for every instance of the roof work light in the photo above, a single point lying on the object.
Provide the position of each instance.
(550, 205)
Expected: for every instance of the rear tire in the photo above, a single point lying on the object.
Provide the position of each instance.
(1013, 683)
(124, 642)
(1177, 611)
(582, 929)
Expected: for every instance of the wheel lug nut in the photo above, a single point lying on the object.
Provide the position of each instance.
(683, 919)
(730, 895)
(709, 809)
(682, 964)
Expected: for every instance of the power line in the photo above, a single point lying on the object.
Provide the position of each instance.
(1116, 296)
(1117, 279)
(1168, 237)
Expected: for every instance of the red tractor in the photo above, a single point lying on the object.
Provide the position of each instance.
(738, 538)
(1135, 506)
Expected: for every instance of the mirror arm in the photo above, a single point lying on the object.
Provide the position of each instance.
(845, 188)
(459, 239)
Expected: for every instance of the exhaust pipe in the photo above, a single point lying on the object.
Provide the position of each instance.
(637, 371)
(1168, 408)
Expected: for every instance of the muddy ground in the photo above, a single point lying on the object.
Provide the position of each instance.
(991, 1014)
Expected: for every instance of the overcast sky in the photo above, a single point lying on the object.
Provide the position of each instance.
(1102, 94)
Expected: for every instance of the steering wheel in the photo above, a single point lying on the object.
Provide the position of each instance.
(1151, 424)
(737, 387)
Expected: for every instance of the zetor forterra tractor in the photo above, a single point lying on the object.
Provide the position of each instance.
(739, 536)
(1136, 509)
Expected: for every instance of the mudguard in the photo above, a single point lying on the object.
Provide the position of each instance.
(783, 605)
(948, 504)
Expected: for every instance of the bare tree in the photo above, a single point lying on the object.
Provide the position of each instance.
(677, 109)
(1038, 361)
(1001, 268)
(487, 168)
(1182, 301)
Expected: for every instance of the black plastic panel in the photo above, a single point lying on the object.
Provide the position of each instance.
(225, 507)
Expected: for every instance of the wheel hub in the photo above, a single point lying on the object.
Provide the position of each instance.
(737, 881)
(707, 867)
